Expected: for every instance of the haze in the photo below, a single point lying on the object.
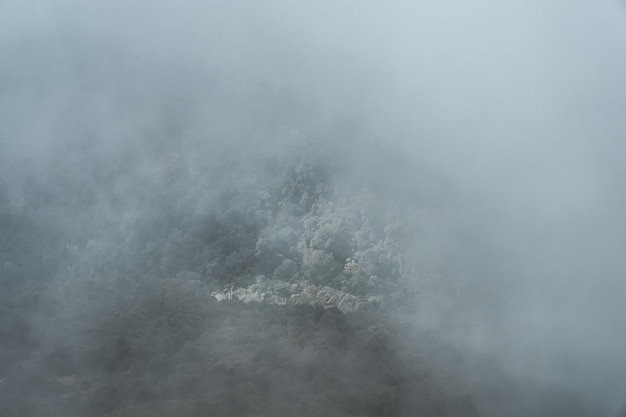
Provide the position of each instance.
(507, 117)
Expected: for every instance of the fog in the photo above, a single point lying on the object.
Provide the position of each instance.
(490, 133)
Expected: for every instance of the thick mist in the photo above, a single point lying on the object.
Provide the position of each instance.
(473, 150)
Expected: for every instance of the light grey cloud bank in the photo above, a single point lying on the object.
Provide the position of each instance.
(520, 103)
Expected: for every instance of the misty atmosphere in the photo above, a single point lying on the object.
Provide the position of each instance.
(330, 208)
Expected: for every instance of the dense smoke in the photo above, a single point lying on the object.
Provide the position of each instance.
(336, 208)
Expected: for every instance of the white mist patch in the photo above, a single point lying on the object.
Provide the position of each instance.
(284, 293)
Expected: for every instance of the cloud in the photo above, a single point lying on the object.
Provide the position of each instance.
(519, 104)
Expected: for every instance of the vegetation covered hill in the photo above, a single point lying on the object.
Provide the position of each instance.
(183, 277)
(188, 243)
